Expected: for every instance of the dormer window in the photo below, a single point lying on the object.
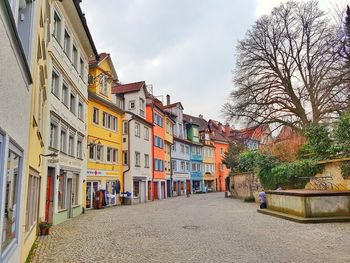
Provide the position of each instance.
(103, 85)
(131, 105)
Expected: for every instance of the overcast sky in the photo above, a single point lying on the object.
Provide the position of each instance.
(184, 48)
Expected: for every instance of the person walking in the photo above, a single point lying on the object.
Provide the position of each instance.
(262, 199)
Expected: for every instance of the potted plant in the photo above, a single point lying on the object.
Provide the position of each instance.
(44, 228)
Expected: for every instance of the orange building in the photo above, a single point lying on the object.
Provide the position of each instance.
(156, 115)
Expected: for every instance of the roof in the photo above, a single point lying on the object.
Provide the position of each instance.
(202, 123)
(287, 133)
(127, 88)
(86, 28)
(172, 105)
(102, 56)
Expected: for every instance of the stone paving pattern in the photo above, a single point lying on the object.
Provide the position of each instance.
(229, 230)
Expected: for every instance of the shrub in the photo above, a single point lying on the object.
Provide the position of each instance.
(342, 135)
(293, 175)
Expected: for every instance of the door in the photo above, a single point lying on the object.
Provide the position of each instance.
(155, 190)
(49, 194)
(149, 190)
(69, 198)
(188, 186)
(163, 189)
(142, 192)
(91, 189)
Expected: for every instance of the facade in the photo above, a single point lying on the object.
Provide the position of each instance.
(70, 48)
(156, 115)
(168, 142)
(15, 86)
(137, 141)
(104, 167)
(209, 167)
(34, 171)
(180, 151)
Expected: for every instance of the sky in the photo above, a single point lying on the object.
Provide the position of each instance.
(184, 48)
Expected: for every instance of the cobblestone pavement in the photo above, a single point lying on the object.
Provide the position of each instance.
(218, 230)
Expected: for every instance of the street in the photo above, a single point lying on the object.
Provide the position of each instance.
(201, 228)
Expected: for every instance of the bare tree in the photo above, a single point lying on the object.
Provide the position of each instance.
(288, 69)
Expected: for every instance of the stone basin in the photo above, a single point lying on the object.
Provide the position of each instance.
(309, 206)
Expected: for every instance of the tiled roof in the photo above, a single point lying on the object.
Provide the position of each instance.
(202, 123)
(172, 105)
(126, 88)
(102, 56)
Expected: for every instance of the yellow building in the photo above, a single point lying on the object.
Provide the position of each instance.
(34, 175)
(169, 140)
(104, 160)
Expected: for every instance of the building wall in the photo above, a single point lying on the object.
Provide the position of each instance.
(221, 169)
(14, 126)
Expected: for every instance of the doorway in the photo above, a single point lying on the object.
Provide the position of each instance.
(91, 189)
(69, 198)
(49, 194)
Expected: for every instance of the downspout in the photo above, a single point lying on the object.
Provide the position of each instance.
(171, 172)
(152, 141)
(128, 152)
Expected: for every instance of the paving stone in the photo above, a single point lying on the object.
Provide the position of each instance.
(218, 230)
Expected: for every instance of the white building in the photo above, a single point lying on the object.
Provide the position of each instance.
(137, 141)
(15, 90)
(69, 49)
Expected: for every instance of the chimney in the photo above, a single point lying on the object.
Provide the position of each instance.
(227, 129)
(200, 116)
(167, 99)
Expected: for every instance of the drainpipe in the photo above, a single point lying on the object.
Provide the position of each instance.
(128, 151)
(152, 141)
(171, 172)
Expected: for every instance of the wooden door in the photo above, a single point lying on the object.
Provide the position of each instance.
(155, 190)
(48, 197)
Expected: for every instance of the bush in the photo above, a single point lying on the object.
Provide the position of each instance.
(255, 161)
(342, 135)
(293, 175)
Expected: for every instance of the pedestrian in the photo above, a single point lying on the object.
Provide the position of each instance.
(262, 199)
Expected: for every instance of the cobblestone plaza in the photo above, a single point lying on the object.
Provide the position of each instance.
(202, 228)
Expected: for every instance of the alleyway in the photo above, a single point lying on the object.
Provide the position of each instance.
(202, 228)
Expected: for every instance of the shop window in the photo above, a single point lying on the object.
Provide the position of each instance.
(10, 215)
(32, 200)
(136, 188)
(61, 191)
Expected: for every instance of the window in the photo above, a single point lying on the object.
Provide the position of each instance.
(146, 161)
(173, 147)
(92, 152)
(146, 135)
(55, 82)
(57, 24)
(32, 200)
(187, 166)
(182, 166)
(158, 120)
(173, 164)
(72, 103)
(103, 86)
(194, 167)
(99, 152)
(104, 119)
(136, 187)
(80, 110)
(158, 165)
(53, 135)
(112, 155)
(221, 151)
(158, 142)
(137, 129)
(63, 147)
(187, 149)
(131, 105)
(75, 189)
(65, 93)
(81, 68)
(95, 116)
(75, 57)
(142, 107)
(61, 191)
(125, 158)
(195, 132)
(125, 127)
(80, 148)
(182, 148)
(71, 145)
(67, 43)
(137, 159)
(198, 151)
(13, 178)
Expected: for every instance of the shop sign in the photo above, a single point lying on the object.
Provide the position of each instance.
(100, 173)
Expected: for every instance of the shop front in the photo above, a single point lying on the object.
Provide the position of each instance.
(102, 186)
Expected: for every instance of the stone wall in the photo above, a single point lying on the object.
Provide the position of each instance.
(330, 178)
(245, 185)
